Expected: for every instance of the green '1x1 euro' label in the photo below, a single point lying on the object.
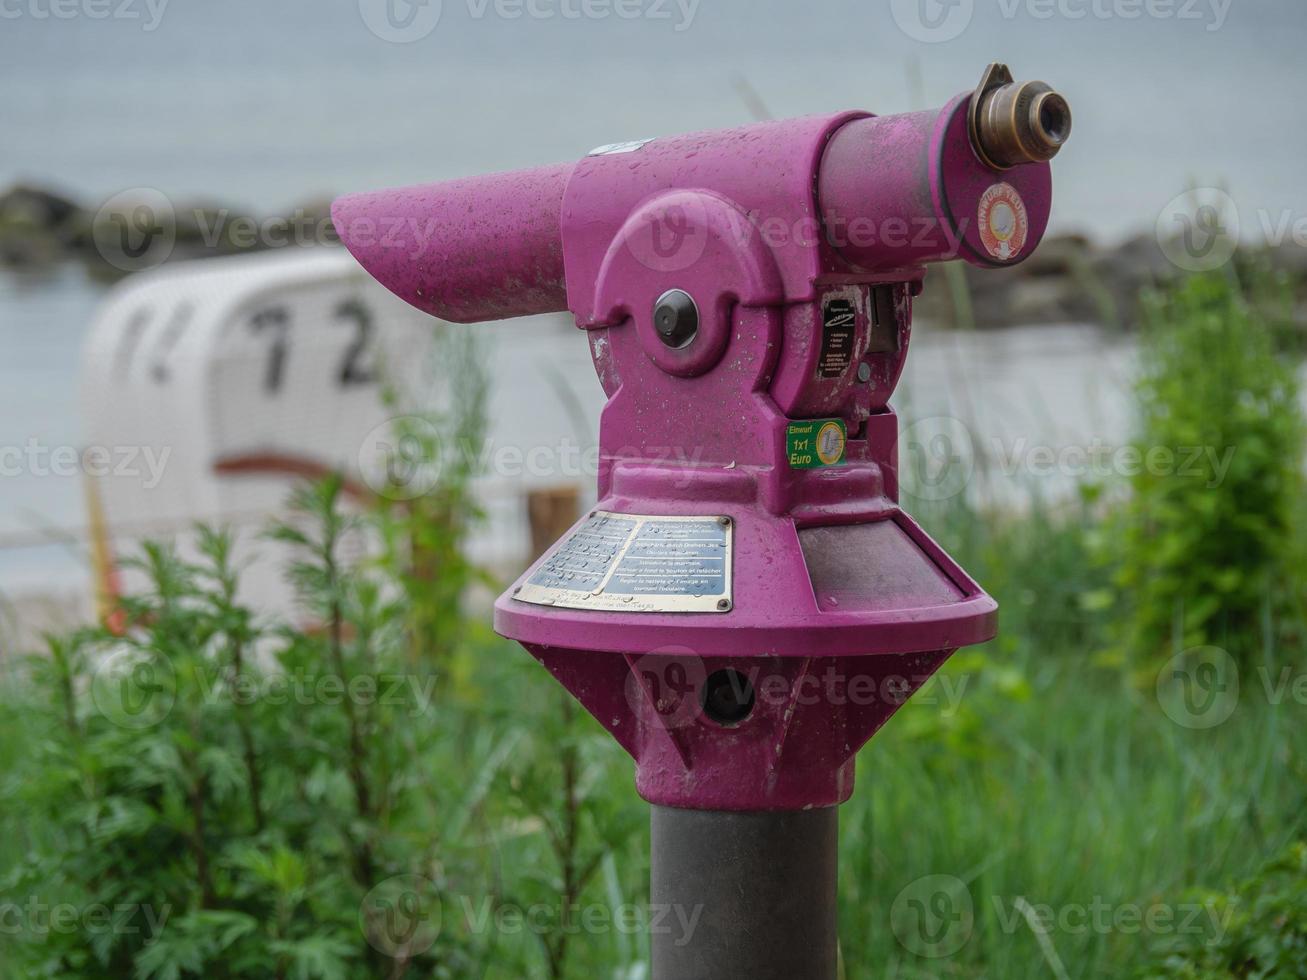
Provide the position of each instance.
(815, 443)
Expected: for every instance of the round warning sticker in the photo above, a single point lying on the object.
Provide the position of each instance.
(1004, 223)
(830, 443)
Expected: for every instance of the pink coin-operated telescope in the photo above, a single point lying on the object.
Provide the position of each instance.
(748, 603)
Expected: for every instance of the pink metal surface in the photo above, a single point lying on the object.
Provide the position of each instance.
(924, 205)
(483, 248)
(831, 578)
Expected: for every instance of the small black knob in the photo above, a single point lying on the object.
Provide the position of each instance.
(676, 318)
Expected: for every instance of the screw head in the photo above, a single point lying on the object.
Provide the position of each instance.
(723, 604)
(864, 372)
(676, 318)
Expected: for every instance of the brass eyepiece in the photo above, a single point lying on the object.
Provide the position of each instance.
(1017, 122)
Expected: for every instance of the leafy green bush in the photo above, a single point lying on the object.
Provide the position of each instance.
(1207, 535)
(1265, 936)
(194, 810)
(213, 796)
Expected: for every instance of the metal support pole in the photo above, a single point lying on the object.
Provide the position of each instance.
(744, 896)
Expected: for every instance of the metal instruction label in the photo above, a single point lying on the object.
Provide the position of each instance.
(820, 442)
(637, 563)
(839, 324)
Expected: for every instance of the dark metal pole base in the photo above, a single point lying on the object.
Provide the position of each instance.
(744, 896)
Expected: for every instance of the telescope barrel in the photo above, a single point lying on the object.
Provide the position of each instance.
(905, 190)
(968, 181)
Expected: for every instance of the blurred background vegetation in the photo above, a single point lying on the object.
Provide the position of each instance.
(1132, 737)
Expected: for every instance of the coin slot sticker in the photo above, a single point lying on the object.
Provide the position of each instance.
(814, 444)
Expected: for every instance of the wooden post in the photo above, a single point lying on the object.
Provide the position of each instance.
(551, 513)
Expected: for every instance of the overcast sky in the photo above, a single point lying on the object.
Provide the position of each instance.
(267, 102)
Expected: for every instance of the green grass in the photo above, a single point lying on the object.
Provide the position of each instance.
(13, 722)
(1086, 791)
